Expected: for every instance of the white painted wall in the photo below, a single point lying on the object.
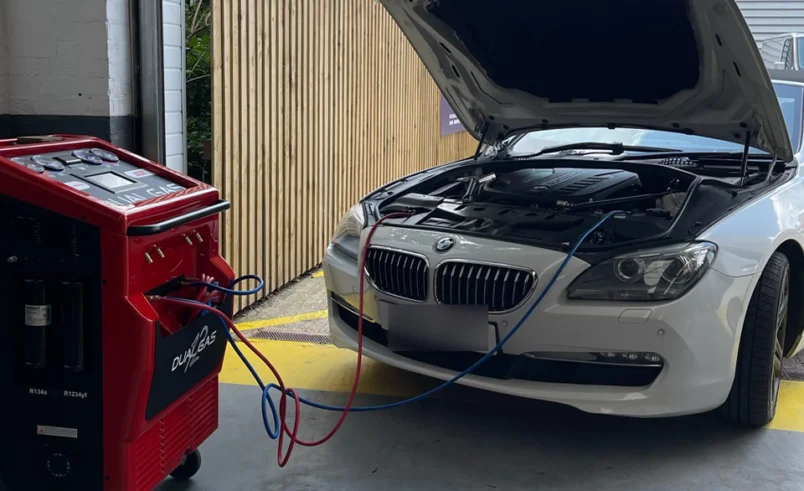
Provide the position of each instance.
(119, 49)
(67, 57)
(175, 100)
(58, 62)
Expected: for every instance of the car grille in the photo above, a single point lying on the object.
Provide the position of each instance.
(398, 273)
(500, 288)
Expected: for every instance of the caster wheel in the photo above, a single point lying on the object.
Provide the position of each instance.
(189, 466)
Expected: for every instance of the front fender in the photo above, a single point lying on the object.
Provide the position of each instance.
(748, 236)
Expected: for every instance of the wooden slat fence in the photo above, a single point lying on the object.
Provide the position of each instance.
(316, 103)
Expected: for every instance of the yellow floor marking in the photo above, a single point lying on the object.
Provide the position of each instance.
(318, 274)
(790, 408)
(281, 321)
(327, 368)
(321, 367)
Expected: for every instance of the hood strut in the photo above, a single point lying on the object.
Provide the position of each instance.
(744, 162)
(486, 127)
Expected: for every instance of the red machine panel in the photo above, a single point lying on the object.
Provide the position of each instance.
(110, 393)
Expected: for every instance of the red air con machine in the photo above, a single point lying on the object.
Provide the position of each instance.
(102, 391)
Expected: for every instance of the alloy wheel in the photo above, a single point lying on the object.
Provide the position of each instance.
(779, 338)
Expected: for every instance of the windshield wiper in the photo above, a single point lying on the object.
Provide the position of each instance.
(614, 148)
(714, 154)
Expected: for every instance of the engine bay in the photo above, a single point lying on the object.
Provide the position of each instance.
(546, 187)
(551, 202)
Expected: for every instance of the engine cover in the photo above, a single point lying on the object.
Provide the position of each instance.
(548, 186)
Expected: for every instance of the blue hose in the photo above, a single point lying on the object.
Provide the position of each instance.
(482, 360)
(266, 399)
(229, 291)
(268, 404)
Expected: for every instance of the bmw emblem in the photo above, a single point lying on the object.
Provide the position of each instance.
(443, 244)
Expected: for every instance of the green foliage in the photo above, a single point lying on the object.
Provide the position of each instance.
(199, 86)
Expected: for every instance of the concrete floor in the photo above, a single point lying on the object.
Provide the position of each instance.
(469, 440)
(494, 442)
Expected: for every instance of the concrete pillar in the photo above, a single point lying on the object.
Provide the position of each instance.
(66, 67)
(3, 72)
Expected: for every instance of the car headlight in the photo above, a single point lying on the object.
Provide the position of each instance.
(347, 233)
(647, 276)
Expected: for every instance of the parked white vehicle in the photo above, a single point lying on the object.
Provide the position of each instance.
(782, 52)
(680, 303)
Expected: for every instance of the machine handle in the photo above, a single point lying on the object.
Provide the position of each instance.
(141, 230)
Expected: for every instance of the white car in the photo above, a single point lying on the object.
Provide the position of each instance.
(664, 121)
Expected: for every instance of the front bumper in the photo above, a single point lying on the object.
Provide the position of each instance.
(697, 336)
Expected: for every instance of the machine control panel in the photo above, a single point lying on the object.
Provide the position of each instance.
(101, 174)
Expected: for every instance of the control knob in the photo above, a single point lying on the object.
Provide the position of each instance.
(105, 155)
(48, 163)
(88, 157)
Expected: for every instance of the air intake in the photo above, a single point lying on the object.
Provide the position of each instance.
(398, 273)
(501, 288)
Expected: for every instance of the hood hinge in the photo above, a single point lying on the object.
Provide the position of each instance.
(494, 144)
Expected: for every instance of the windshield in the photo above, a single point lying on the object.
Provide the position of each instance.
(791, 99)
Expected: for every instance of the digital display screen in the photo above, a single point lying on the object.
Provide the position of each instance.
(111, 180)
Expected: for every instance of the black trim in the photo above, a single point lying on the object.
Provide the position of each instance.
(184, 359)
(119, 130)
(516, 367)
(141, 230)
(123, 132)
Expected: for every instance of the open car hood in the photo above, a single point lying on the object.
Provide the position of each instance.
(688, 66)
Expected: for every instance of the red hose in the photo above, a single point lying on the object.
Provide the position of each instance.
(282, 457)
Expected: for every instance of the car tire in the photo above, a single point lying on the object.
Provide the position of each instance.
(755, 391)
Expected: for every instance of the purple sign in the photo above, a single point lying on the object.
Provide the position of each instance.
(449, 121)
